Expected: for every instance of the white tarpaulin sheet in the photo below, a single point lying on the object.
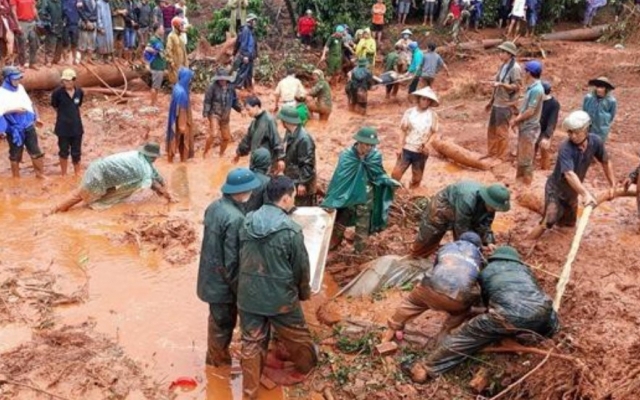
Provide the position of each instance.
(317, 225)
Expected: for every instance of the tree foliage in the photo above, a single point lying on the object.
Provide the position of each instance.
(218, 26)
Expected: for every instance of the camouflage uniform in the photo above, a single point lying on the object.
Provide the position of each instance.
(358, 215)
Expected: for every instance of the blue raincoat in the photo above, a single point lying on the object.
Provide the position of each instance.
(180, 100)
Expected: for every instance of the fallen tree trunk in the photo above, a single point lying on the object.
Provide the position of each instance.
(109, 92)
(535, 202)
(49, 78)
(460, 155)
(576, 35)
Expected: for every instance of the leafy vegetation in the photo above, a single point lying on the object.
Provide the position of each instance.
(218, 26)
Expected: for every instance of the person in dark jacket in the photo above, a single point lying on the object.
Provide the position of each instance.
(260, 164)
(262, 132)
(144, 16)
(601, 106)
(548, 123)
(71, 30)
(53, 19)
(451, 286)
(300, 156)
(219, 99)
(274, 278)
(515, 304)
(461, 207)
(360, 81)
(219, 262)
(245, 53)
(67, 100)
(360, 190)
(88, 13)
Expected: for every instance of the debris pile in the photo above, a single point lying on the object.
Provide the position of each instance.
(174, 236)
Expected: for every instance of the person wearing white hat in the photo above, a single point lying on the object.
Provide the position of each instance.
(575, 155)
(419, 124)
(404, 52)
(67, 100)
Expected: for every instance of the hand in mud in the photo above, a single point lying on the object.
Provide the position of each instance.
(302, 190)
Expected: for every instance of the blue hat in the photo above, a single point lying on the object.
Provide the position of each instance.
(11, 73)
(534, 67)
(339, 29)
(413, 45)
(546, 85)
(240, 180)
(471, 237)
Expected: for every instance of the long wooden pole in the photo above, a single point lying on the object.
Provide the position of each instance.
(575, 245)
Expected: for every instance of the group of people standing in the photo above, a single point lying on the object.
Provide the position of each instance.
(75, 30)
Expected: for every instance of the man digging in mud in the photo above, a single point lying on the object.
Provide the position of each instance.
(575, 155)
(507, 84)
(219, 258)
(515, 304)
(461, 207)
(274, 278)
(449, 287)
(113, 178)
(360, 190)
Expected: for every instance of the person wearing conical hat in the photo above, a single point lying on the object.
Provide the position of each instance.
(360, 190)
(575, 156)
(112, 179)
(507, 85)
(460, 207)
(219, 99)
(515, 304)
(404, 53)
(601, 106)
(419, 124)
(360, 81)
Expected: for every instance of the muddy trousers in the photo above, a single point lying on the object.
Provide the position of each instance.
(498, 132)
(559, 209)
(434, 225)
(222, 322)
(28, 43)
(292, 333)
(423, 298)
(545, 156)
(53, 45)
(323, 110)
(527, 137)
(416, 161)
(358, 216)
(222, 130)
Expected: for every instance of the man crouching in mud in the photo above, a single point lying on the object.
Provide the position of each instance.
(515, 304)
(113, 178)
(274, 278)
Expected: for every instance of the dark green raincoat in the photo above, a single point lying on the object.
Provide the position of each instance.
(348, 186)
(263, 132)
(218, 271)
(300, 158)
(259, 164)
(274, 264)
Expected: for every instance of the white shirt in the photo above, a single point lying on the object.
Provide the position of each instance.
(419, 125)
(289, 88)
(12, 100)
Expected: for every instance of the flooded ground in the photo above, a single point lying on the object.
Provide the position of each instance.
(145, 301)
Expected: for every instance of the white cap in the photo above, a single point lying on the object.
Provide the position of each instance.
(576, 120)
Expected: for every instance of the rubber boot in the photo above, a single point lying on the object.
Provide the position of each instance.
(63, 166)
(15, 169)
(38, 166)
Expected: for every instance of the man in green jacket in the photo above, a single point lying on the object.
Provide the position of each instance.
(263, 132)
(300, 157)
(360, 190)
(274, 278)
(260, 164)
(218, 271)
(461, 207)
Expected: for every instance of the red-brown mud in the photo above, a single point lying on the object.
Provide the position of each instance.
(140, 298)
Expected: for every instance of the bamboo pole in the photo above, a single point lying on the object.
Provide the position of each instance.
(575, 245)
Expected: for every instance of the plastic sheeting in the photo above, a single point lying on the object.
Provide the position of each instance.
(385, 272)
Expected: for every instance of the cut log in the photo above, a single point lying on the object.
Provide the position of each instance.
(460, 155)
(576, 35)
(109, 92)
(49, 78)
(531, 200)
(620, 192)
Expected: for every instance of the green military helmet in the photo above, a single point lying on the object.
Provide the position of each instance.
(496, 196)
(240, 180)
(290, 115)
(367, 135)
(505, 253)
(363, 62)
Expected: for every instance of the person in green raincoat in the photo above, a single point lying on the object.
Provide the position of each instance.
(360, 190)
(219, 259)
(274, 279)
(259, 164)
(333, 48)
